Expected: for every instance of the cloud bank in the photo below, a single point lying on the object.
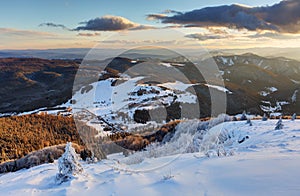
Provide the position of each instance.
(281, 17)
(110, 23)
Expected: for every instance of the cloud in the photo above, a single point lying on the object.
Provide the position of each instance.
(24, 33)
(147, 42)
(50, 24)
(88, 34)
(111, 23)
(274, 35)
(217, 31)
(171, 12)
(157, 17)
(281, 17)
(142, 27)
(206, 36)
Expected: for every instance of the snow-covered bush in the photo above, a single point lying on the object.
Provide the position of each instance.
(279, 124)
(249, 122)
(68, 165)
(244, 116)
(294, 96)
(294, 116)
(167, 176)
(264, 118)
(188, 137)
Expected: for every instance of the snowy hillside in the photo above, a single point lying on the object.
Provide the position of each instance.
(253, 83)
(262, 161)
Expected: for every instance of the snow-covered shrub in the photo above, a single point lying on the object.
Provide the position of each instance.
(188, 137)
(294, 96)
(244, 116)
(249, 122)
(68, 165)
(279, 124)
(33, 161)
(196, 144)
(294, 116)
(45, 155)
(264, 118)
(218, 120)
(91, 159)
(167, 176)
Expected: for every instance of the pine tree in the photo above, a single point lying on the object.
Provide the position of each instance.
(294, 116)
(264, 118)
(249, 122)
(68, 165)
(279, 124)
(243, 117)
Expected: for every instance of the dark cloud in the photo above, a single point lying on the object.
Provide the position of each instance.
(281, 17)
(157, 17)
(171, 12)
(50, 24)
(110, 23)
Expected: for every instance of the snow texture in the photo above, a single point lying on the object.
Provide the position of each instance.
(266, 162)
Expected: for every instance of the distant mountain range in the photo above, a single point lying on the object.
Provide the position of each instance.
(80, 53)
(252, 83)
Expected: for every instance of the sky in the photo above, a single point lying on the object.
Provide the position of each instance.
(35, 24)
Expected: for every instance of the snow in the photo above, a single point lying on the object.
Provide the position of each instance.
(226, 61)
(52, 110)
(118, 103)
(172, 64)
(219, 88)
(294, 96)
(178, 64)
(176, 85)
(272, 89)
(267, 91)
(295, 81)
(230, 62)
(273, 109)
(265, 164)
(166, 64)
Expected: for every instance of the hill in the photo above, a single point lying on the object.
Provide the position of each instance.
(31, 83)
(265, 163)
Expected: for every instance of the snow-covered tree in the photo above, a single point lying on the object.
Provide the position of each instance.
(279, 124)
(264, 118)
(249, 122)
(243, 117)
(294, 116)
(294, 96)
(68, 165)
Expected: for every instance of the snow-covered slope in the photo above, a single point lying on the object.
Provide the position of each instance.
(267, 163)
